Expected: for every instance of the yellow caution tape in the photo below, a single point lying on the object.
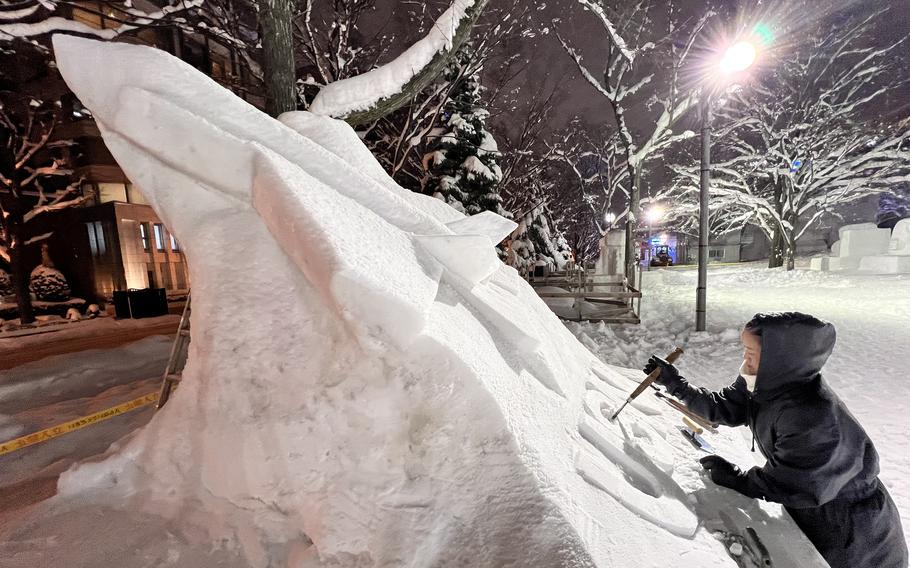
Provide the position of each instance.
(77, 424)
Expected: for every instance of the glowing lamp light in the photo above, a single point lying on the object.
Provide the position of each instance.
(738, 57)
(609, 217)
(654, 214)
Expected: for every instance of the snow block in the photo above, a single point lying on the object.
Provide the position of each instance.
(836, 263)
(863, 241)
(494, 227)
(856, 227)
(338, 137)
(900, 238)
(343, 248)
(820, 263)
(470, 257)
(453, 427)
(885, 264)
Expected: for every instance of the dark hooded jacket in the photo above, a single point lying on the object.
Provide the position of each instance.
(815, 449)
(820, 462)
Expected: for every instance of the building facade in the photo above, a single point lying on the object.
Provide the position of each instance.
(115, 241)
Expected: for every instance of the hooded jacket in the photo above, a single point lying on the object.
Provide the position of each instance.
(815, 449)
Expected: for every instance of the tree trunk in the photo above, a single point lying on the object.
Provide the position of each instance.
(20, 278)
(776, 258)
(791, 254)
(791, 242)
(278, 56)
(632, 223)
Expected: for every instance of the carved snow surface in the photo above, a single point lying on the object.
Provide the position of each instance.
(355, 396)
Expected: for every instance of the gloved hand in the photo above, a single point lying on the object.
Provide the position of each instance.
(724, 473)
(669, 374)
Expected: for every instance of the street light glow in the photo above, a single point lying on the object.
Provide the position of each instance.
(654, 214)
(738, 57)
(609, 217)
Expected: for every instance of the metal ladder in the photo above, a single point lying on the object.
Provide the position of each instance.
(177, 359)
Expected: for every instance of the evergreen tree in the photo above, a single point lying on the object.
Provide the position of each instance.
(538, 239)
(465, 163)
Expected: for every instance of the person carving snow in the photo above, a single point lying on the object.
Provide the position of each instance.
(821, 465)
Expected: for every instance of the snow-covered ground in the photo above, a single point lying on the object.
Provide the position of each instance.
(867, 369)
(64, 387)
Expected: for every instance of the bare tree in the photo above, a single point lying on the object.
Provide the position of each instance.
(643, 61)
(803, 142)
(32, 182)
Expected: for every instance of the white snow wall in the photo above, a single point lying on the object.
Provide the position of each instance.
(367, 384)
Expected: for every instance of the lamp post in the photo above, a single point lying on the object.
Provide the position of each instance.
(736, 59)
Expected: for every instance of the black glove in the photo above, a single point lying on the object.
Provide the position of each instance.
(724, 473)
(669, 374)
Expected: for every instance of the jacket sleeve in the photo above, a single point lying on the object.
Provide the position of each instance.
(809, 464)
(727, 406)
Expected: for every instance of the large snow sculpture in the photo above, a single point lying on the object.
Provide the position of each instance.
(367, 384)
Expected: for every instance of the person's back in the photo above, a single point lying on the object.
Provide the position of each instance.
(821, 464)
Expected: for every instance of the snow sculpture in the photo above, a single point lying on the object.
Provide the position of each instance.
(867, 248)
(897, 259)
(414, 403)
(856, 242)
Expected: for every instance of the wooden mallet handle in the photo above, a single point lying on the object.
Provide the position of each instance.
(671, 358)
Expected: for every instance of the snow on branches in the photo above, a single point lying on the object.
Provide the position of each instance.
(805, 141)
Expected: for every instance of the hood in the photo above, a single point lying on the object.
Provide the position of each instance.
(794, 348)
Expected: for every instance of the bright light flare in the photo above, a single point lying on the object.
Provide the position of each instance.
(609, 218)
(654, 214)
(738, 57)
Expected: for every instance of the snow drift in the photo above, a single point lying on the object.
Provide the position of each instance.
(367, 384)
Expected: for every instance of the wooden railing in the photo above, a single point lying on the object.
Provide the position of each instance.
(594, 297)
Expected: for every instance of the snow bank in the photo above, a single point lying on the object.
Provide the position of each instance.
(378, 394)
(341, 98)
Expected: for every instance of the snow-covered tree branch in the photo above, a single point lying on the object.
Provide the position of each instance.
(378, 92)
(641, 62)
(805, 142)
(33, 182)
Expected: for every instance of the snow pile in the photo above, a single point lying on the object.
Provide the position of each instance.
(341, 98)
(382, 392)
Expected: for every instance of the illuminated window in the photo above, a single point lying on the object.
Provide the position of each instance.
(159, 237)
(96, 238)
(144, 235)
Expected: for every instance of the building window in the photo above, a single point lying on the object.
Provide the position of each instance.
(159, 237)
(144, 235)
(174, 246)
(716, 254)
(96, 240)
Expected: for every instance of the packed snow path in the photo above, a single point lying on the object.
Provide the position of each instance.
(867, 369)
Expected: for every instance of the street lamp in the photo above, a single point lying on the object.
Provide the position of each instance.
(736, 59)
(609, 219)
